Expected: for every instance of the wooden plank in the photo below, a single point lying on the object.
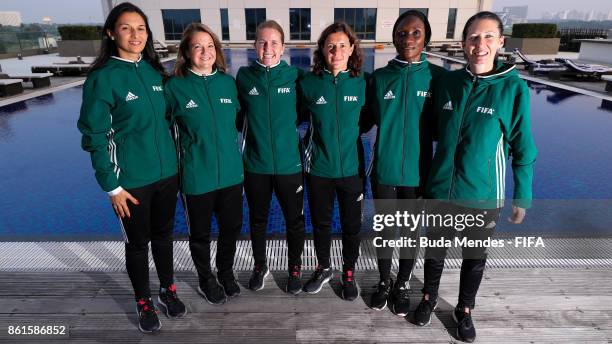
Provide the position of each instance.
(514, 305)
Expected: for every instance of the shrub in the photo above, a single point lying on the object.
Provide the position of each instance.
(540, 30)
(80, 32)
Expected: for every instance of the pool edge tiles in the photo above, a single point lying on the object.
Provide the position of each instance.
(109, 256)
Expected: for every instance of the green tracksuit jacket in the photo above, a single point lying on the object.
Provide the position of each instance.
(268, 99)
(399, 103)
(124, 125)
(334, 104)
(481, 120)
(204, 109)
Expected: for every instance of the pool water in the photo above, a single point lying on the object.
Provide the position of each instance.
(49, 191)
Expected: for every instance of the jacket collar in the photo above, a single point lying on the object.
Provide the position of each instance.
(202, 74)
(327, 74)
(126, 60)
(423, 58)
(501, 70)
(272, 66)
(402, 65)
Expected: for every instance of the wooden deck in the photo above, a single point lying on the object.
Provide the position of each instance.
(514, 305)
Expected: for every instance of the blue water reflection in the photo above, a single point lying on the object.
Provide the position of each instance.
(49, 191)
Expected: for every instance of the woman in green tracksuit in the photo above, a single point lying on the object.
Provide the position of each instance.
(482, 117)
(399, 103)
(125, 129)
(272, 162)
(333, 95)
(203, 102)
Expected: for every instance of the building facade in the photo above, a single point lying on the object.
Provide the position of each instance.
(10, 18)
(235, 21)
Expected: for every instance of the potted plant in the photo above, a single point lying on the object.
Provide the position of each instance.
(540, 38)
(79, 40)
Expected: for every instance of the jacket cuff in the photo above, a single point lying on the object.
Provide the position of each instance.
(115, 192)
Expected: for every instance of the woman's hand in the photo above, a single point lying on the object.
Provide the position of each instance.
(119, 202)
(518, 214)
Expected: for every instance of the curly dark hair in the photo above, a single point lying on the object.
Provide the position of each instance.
(355, 61)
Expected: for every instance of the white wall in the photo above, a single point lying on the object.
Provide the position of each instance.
(596, 52)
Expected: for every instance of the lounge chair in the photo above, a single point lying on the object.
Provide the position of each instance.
(163, 49)
(10, 87)
(584, 69)
(63, 69)
(541, 66)
(37, 79)
(608, 80)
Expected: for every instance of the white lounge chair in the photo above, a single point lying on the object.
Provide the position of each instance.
(593, 70)
(539, 66)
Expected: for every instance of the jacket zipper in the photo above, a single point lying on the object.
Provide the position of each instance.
(161, 166)
(338, 126)
(270, 121)
(405, 98)
(212, 111)
(465, 109)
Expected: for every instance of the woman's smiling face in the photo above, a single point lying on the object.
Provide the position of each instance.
(481, 44)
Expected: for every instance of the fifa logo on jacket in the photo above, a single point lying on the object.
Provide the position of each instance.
(157, 88)
(350, 98)
(485, 110)
(423, 94)
(225, 100)
(284, 90)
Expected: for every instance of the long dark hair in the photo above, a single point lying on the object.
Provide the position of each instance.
(355, 61)
(418, 15)
(182, 59)
(109, 48)
(483, 15)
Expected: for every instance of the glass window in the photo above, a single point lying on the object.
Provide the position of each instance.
(362, 20)
(370, 14)
(253, 16)
(452, 20)
(224, 25)
(299, 23)
(425, 11)
(175, 21)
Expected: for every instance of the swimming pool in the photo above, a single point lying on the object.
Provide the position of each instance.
(49, 191)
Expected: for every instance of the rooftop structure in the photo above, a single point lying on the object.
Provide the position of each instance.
(302, 21)
(10, 18)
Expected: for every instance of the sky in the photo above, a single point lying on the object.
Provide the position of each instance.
(60, 11)
(90, 11)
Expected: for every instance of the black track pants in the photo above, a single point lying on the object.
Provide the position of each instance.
(289, 192)
(151, 220)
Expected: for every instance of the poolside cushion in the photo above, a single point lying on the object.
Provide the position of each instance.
(10, 87)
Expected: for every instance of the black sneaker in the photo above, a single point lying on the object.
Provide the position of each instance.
(230, 286)
(211, 291)
(422, 314)
(400, 298)
(378, 301)
(173, 306)
(319, 277)
(465, 326)
(148, 322)
(294, 283)
(257, 277)
(350, 290)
